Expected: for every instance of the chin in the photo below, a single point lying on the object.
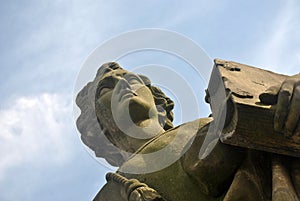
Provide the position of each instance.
(139, 110)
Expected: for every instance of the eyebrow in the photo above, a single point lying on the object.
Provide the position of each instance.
(145, 79)
(140, 78)
(104, 70)
(106, 81)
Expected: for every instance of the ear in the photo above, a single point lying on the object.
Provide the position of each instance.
(161, 111)
(162, 115)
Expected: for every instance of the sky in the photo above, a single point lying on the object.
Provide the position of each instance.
(45, 43)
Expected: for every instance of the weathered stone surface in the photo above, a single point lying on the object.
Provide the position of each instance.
(226, 173)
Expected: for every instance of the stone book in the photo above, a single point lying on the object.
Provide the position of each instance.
(248, 123)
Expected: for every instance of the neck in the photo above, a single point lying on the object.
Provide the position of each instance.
(132, 137)
(140, 133)
(150, 128)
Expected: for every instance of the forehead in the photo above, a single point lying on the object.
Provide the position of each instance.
(108, 72)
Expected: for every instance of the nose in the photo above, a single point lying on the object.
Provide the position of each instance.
(122, 85)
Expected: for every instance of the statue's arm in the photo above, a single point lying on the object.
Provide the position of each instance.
(216, 170)
(286, 98)
(214, 173)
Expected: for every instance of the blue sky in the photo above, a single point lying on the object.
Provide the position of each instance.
(44, 44)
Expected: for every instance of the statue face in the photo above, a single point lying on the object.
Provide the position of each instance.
(124, 101)
(133, 93)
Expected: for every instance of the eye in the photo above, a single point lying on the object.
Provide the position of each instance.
(104, 90)
(134, 79)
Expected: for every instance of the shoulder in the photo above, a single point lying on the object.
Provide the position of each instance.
(160, 158)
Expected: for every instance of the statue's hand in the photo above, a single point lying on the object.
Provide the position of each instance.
(287, 98)
(145, 194)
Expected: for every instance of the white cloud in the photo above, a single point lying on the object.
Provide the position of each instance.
(35, 130)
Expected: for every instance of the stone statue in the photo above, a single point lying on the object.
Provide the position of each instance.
(227, 173)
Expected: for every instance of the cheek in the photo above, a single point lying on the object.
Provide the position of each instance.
(145, 93)
(116, 137)
(106, 99)
(104, 114)
(105, 117)
(145, 98)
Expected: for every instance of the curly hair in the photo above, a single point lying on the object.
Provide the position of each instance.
(94, 135)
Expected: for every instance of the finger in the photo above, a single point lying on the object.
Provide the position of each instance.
(294, 112)
(282, 108)
(296, 136)
(269, 97)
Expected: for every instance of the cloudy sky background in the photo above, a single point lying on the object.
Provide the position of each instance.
(44, 44)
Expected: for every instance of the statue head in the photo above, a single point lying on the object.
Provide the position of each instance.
(114, 98)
